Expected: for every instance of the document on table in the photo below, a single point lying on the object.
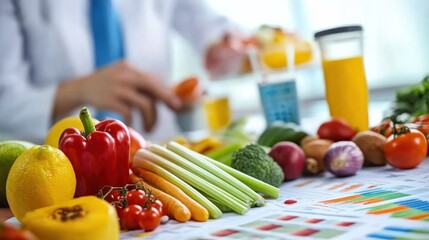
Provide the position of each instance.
(377, 203)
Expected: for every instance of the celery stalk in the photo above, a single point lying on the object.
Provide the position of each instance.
(255, 184)
(195, 181)
(189, 164)
(201, 161)
(214, 211)
(218, 204)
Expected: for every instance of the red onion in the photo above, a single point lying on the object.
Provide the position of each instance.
(290, 158)
(343, 159)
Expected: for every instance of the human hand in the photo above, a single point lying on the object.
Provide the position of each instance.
(121, 87)
(227, 55)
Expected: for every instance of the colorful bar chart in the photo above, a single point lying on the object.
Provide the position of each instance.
(412, 209)
(295, 229)
(367, 197)
(329, 186)
(398, 232)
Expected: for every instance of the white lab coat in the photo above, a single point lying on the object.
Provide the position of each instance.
(44, 42)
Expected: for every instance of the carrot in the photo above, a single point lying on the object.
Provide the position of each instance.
(198, 212)
(175, 208)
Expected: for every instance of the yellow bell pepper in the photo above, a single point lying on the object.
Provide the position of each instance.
(84, 218)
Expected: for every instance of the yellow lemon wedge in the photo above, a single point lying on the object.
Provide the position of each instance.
(58, 128)
(39, 177)
(84, 218)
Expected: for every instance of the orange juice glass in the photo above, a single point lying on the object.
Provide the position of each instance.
(343, 69)
(218, 112)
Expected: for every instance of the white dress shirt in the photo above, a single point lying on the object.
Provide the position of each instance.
(44, 42)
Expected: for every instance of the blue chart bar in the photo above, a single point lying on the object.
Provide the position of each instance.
(396, 233)
(370, 192)
(405, 229)
(381, 236)
(415, 203)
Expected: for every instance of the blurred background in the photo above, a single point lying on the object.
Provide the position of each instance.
(396, 49)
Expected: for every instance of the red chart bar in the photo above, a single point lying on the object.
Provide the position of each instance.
(268, 227)
(287, 218)
(225, 233)
(345, 224)
(314, 220)
(305, 232)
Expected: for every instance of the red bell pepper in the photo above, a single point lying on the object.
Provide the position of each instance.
(99, 154)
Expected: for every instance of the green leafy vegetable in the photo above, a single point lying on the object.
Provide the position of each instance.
(254, 161)
(255, 184)
(413, 99)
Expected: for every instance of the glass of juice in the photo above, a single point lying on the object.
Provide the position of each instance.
(218, 112)
(343, 69)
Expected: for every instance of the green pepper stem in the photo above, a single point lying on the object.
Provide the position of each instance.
(87, 122)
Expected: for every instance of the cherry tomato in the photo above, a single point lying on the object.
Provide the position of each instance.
(336, 130)
(424, 128)
(159, 206)
(114, 196)
(407, 150)
(149, 219)
(119, 211)
(136, 197)
(422, 123)
(130, 216)
(421, 119)
(384, 128)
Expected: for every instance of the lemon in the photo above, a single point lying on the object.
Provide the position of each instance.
(57, 129)
(40, 177)
(83, 218)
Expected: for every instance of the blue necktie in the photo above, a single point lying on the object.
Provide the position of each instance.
(107, 40)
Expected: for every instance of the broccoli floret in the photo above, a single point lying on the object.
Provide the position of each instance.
(252, 160)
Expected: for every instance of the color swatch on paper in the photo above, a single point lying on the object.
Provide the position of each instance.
(300, 219)
(333, 186)
(238, 234)
(412, 209)
(294, 229)
(398, 232)
(367, 197)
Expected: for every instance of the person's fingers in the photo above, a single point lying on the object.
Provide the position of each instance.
(152, 85)
(148, 111)
(143, 82)
(145, 104)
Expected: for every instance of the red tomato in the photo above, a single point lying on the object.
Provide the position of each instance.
(407, 150)
(425, 130)
(114, 196)
(422, 123)
(384, 128)
(336, 130)
(149, 219)
(421, 119)
(159, 206)
(130, 217)
(136, 197)
(119, 211)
